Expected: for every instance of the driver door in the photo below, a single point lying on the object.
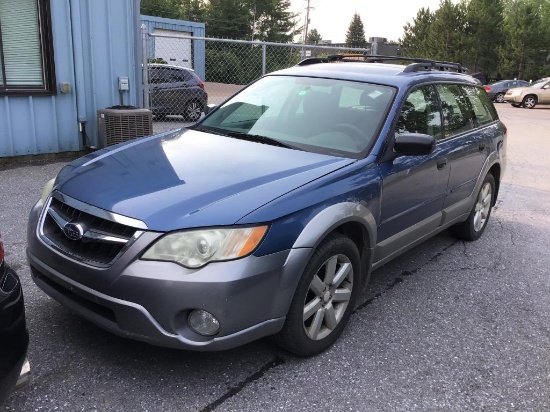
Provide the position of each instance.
(413, 187)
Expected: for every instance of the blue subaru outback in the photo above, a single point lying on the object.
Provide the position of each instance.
(268, 215)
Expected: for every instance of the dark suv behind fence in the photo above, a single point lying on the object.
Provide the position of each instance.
(268, 215)
(176, 90)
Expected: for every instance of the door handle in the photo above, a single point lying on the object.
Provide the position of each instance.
(481, 147)
(441, 163)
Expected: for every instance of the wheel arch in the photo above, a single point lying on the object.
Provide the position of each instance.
(534, 96)
(350, 219)
(495, 170)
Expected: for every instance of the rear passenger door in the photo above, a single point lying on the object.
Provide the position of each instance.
(413, 187)
(469, 130)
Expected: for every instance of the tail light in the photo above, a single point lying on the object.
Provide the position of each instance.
(487, 88)
(201, 84)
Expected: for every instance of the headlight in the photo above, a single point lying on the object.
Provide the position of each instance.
(47, 190)
(194, 249)
(51, 183)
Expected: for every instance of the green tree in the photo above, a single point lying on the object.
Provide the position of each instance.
(193, 10)
(522, 55)
(446, 39)
(483, 35)
(313, 37)
(355, 36)
(416, 35)
(228, 19)
(171, 9)
(272, 20)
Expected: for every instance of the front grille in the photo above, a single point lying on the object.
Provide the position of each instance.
(103, 239)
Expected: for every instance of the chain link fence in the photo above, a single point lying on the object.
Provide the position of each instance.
(186, 73)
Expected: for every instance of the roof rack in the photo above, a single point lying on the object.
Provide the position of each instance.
(416, 65)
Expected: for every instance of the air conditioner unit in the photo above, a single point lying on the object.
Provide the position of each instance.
(119, 124)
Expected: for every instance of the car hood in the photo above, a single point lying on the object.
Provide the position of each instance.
(190, 179)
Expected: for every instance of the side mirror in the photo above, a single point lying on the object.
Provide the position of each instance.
(414, 144)
(209, 108)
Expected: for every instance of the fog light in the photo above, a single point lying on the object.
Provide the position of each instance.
(203, 323)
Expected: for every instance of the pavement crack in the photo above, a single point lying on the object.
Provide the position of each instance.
(400, 279)
(234, 390)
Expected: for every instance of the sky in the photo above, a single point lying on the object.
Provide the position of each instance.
(381, 18)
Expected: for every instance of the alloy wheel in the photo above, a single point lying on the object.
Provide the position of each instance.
(328, 297)
(193, 111)
(483, 206)
(529, 102)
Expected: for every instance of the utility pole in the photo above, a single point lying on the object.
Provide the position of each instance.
(308, 8)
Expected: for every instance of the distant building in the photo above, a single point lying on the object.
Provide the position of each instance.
(375, 46)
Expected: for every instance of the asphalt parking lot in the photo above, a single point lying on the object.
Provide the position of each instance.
(448, 326)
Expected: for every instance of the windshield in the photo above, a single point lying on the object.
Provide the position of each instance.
(327, 116)
(539, 84)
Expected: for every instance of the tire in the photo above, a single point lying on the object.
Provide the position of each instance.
(192, 111)
(499, 98)
(529, 102)
(327, 292)
(474, 226)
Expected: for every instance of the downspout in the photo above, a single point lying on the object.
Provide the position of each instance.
(138, 53)
(78, 60)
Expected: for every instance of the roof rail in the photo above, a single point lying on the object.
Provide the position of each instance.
(416, 64)
(328, 59)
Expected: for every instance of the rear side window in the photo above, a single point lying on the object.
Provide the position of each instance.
(457, 114)
(483, 108)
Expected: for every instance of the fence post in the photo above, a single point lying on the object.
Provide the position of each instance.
(145, 71)
(264, 58)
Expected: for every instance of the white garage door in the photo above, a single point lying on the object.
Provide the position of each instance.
(174, 51)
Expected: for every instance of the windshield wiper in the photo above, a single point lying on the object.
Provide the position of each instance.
(259, 138)
(244, 136)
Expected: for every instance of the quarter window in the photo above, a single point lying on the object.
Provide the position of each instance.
(26, 50)
(457, 114)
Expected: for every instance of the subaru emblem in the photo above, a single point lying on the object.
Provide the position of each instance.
(73, 231)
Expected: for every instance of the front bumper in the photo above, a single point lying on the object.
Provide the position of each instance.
(516, 99)
(14, 338)
(150, 301)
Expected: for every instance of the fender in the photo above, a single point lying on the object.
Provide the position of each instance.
(331, 218)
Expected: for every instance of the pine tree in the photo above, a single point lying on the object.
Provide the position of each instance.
(355, 36)
(484, 35)
(521, 55)
(415, 38)
(162, 8)
(313, 37)
(272, 20)
(446, 37)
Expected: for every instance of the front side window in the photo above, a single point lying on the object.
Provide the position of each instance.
(420, 113)
(26, 51)
(329, 116)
